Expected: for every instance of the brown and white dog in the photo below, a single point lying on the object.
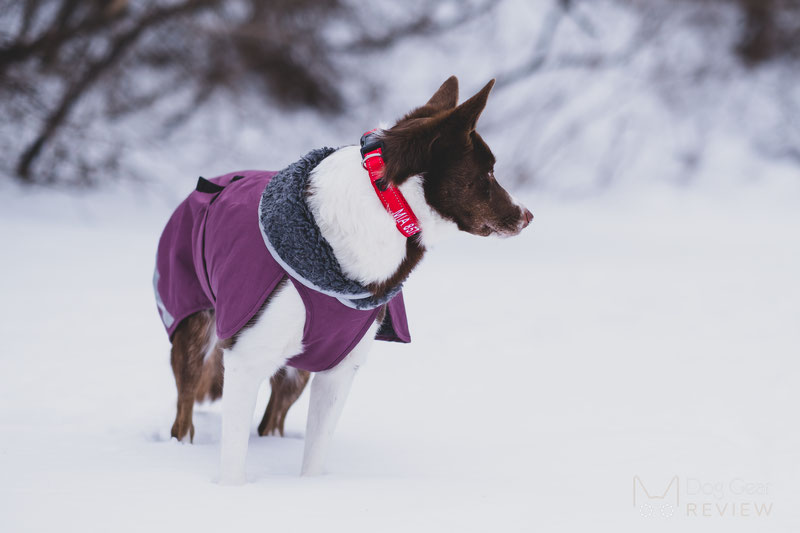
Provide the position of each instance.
(446, 172)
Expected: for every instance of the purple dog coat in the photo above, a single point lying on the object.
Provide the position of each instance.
(217, 252)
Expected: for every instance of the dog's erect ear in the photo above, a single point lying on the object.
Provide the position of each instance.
(408, 146)
(446, 97)
(466, 115)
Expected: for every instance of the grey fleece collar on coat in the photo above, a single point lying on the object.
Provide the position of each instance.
(296, 243)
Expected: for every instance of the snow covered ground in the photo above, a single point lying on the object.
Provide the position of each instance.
(649, 332)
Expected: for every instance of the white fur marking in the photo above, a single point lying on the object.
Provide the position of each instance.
(212, 343)
(522, 209)
(363, 235)
(352, 219)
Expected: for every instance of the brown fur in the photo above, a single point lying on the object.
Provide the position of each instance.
(210, 385)
(287, 386)
(189, 346)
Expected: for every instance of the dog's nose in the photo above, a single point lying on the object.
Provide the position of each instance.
(528, 217)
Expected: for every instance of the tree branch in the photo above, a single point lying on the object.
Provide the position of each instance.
(422, 26)
(95, 70)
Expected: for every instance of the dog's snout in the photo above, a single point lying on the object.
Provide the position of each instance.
(527, 216)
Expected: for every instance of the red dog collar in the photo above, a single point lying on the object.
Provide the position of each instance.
(389, 195)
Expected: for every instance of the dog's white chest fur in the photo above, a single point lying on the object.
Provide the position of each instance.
(364, 237)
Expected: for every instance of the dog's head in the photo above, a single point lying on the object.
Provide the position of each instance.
(438, 141)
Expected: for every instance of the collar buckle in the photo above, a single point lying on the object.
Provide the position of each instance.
(367, 157)
(370, 142)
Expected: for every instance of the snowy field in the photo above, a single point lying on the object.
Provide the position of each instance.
(651, 332)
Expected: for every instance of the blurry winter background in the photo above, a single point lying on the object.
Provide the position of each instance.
(647, 323)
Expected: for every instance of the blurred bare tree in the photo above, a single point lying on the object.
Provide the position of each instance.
(693, 67)
(71, 69)
(115, 57)
(771, 29)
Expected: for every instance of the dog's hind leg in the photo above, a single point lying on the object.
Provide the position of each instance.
(329, 391)
(287, 386)
(190, 344)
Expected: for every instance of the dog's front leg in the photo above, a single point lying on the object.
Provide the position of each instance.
(329, 391)
(240, 390)
(258, 351)
(242, 380)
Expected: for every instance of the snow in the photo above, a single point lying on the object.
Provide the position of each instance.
(645, 325)
(648, 331)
